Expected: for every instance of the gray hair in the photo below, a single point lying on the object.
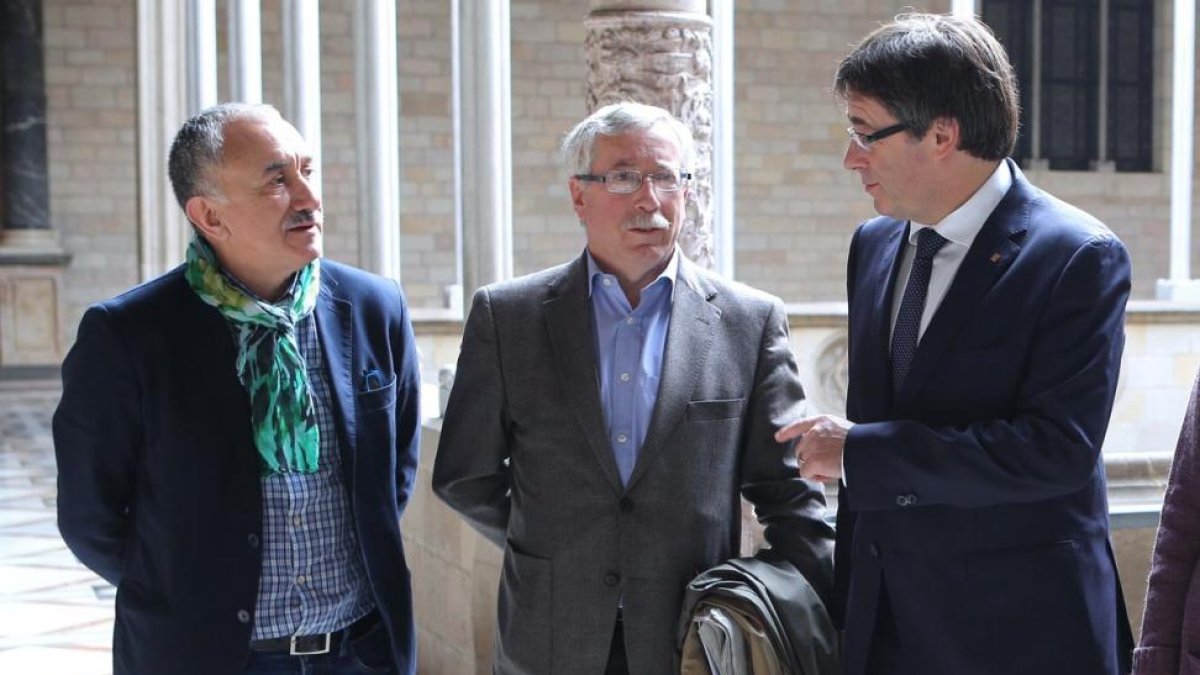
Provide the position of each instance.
(200, 144)
(617, 119)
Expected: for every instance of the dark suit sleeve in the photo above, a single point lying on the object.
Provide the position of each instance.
(471, 471)
(791, 508)
(1042, 443)
(97, 440)
(408, 411)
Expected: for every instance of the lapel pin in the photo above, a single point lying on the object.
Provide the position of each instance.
(995, 258)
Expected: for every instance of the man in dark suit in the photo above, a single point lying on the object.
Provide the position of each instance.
(986, 325)
(607, 414)
(237, 438)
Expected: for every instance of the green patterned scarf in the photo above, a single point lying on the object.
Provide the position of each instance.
(269, 364)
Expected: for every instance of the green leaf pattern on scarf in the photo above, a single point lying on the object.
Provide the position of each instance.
(269, 364)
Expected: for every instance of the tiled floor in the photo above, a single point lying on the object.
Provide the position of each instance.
(55, 615)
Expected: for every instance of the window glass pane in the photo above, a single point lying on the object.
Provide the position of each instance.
(1070, 73)
(1131, 84)
(1011, 21)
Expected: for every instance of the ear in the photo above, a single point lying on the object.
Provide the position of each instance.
(945, 134)
(205, 218)
(576, 187)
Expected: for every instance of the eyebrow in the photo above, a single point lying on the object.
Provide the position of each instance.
(281, 164)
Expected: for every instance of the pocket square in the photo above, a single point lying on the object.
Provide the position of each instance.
(372, 379)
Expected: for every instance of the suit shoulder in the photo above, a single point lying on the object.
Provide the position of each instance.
(524, 287)
(149, 297)
(1054, 220)
(358, 284)
(728, 291)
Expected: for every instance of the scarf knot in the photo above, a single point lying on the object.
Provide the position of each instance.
(269, 364)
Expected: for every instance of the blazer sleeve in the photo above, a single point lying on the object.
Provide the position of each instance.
(791, 508)
(1176, 553)
(1047, 441)
(471, 472)
(97, 440)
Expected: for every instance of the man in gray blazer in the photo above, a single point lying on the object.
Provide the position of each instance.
(608, 412)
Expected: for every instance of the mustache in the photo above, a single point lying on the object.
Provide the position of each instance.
(648, 221)
(304, 217)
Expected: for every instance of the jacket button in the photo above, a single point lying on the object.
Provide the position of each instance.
(252, 540)
(875, 550)
(906, 500)
(243, 616)
(626, 504)
(612, 579)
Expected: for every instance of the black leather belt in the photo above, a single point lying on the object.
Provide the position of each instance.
(322, 643)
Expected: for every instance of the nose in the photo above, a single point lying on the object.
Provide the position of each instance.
(646, 196)
(305, 194)
(855, 157)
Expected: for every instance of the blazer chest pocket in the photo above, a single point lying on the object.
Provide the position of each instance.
(384, 396)
(720, 409)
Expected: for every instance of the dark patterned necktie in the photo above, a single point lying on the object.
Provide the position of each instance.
(905, 336)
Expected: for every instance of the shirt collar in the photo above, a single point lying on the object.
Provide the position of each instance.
(964, 223)
(283, 301)
(670, 272)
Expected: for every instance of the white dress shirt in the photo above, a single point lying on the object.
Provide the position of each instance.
(960, 229)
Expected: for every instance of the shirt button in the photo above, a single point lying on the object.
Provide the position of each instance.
(252, 540)
(300, 580)
(243, 616)
(606, 281)
(624, 377)
(296, 521)
(621, 438)
(629, 320)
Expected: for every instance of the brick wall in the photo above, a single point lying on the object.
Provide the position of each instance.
(91, 120)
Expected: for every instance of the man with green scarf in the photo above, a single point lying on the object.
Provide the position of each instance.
(238, 438)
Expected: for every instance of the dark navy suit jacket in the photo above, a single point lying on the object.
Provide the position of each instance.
(976, 495)
(159, 481)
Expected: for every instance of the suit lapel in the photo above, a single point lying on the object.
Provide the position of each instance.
(568, 321)
(335, 326)
(876, 350)
(994, 249)
(213, 371)
(693, 325)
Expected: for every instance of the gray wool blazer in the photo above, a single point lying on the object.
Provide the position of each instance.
(525, 458)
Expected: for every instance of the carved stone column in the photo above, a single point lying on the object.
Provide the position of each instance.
(31, 257)
(659, 52)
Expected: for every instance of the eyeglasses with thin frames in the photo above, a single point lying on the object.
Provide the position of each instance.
(628, 181)
(865, 141)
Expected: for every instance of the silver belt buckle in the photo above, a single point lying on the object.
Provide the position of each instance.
(294, 652)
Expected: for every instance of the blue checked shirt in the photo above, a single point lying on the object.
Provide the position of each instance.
(629, 346)
(313, 577)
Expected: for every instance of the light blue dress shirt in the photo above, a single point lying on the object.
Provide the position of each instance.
(629, 348)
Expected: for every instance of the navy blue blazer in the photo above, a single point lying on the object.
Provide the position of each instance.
(159, 483)
(977, 493)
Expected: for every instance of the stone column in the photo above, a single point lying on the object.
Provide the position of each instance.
(483, 142)
(302, 75)
(660, 52)
(377, 114)
(31, 257)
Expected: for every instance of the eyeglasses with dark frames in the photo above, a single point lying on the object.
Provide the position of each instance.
(628, 181)
(865, 141)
